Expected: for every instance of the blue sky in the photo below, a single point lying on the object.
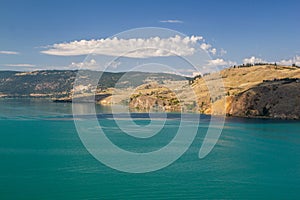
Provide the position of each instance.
(265, 30)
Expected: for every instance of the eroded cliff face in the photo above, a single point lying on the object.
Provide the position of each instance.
(279, 99)
(260, 91)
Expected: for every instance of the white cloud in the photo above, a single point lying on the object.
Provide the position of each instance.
(295, 60)
(221, 62)
(93, 65)
(134, 48)
(9, 52)
(173, 21)
(253, 60)
(87, 65)
(208, 48)
(213, 51)
(217, 62)
(205, 46)
(19, 65)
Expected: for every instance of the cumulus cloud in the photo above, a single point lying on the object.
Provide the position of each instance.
(173, 21)
(295, 60)
(19, 65)
(79, 65)
(205, 46)
(208, 48)
(253, 60)
(134, 48)
(9, 52)
(213, 51)
(93, 65)
(217, 62)
(221, 62)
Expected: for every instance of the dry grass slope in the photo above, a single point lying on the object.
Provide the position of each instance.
(257, 91)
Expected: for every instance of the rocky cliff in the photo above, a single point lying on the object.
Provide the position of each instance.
(276, 99)
(266, 91)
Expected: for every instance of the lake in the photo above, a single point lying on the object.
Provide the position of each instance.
(42, 157)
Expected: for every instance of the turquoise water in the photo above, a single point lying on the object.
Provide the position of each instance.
(42, 157)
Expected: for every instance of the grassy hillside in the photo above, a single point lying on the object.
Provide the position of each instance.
(255, 91)
(238, 80)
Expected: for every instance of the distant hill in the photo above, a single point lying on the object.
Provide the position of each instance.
(59, 83)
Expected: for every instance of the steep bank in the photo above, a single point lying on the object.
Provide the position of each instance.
(267, 91)
(276, 99)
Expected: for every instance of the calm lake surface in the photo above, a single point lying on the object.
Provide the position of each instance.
(42, 157)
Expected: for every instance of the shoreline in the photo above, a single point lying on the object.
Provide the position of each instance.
(227, 116)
